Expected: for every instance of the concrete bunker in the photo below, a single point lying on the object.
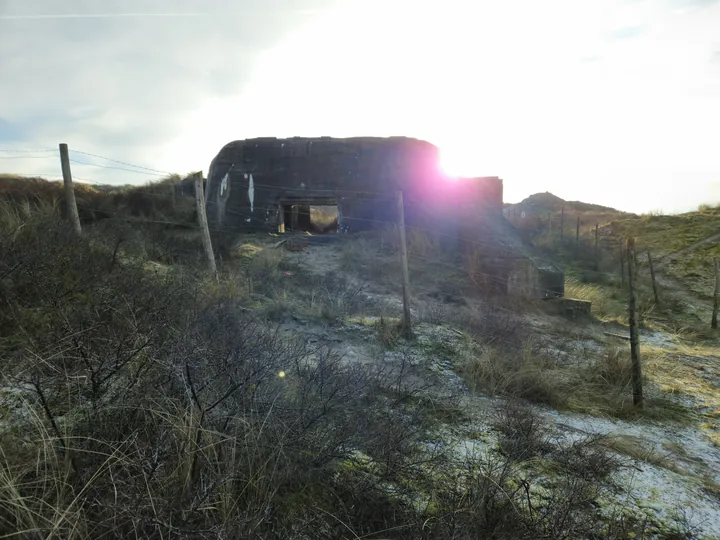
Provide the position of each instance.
(279, 185)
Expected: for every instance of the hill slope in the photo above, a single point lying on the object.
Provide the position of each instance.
(544, 203)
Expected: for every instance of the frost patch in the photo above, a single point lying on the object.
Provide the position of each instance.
(665, 495)
(657, 339)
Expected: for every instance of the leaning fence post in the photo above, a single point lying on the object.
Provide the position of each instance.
(202, 220)
(577, 232)
(714, 321)
(632, 319)
(72, 211)
(597, 248)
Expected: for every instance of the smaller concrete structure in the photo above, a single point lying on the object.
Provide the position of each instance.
(568, 307)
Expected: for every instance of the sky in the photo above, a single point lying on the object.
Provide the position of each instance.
(615, 102)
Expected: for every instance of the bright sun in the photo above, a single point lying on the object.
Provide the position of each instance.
(455, 163)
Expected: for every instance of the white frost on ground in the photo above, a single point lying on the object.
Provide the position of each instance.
(655, 488)
(667, 496)
(701, 456)
(657, 339)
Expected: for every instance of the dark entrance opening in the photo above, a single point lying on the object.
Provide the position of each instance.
(313, 216)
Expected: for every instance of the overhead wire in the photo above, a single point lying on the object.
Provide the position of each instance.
(120, 162)
(20, 150)
(111, 167)
(26, 157)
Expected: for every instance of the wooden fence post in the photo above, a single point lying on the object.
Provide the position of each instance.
(652, 276)
(202, 220)
(72, 211)
(597, 248)
(714, 321)
(562, 224)
(577, 232)
(597, 241)
(622, 267)
(407, 324)
(632, 319)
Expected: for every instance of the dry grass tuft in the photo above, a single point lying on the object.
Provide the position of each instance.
(519, 374)
(162, 200)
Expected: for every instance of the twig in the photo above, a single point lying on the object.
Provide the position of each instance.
(626, 338)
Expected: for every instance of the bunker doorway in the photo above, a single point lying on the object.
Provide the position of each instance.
(312, 216)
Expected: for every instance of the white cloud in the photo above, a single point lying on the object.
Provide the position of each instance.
(502, 87)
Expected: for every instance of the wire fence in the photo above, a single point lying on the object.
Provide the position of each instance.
(606, 252)
(568, 241)
(323, 239)
(47, 153)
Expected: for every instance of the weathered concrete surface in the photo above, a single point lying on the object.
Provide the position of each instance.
(249, 181)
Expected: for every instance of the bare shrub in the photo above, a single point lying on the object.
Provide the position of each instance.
(149, 416)
(434, 313)
(230, 426)
(587, 458)
(523, 431)
(489, 496)
(479, 500)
